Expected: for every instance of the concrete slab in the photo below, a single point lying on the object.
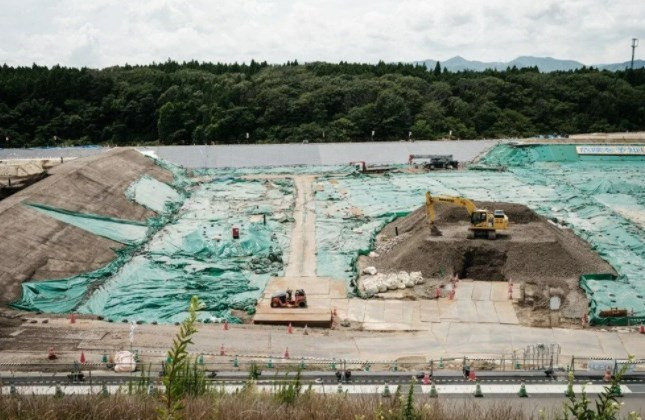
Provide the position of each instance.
(356, 310)
(506, 312)
(411, 313)
(374, 311)
(393, 311)
(481, 290)
(457, 311)
(633, 343)
(486, 311)
(429, 311)
(499, 291)
(578, 342)
(464, 290)
(341, 306)
(612, 344)
(394, 326)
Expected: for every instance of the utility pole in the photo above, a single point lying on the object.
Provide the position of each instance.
(634, 45)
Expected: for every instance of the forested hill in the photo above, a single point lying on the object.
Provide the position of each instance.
(200, 103)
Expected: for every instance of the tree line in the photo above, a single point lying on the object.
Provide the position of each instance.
(214, 103)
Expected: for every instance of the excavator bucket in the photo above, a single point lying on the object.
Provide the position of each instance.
(434, 230)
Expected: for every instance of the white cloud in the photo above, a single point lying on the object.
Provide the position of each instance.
(101, 33)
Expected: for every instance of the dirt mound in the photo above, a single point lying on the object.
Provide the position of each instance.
(40, 247)
(532, 249)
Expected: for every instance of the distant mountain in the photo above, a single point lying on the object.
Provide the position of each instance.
(621, 66)
(545, 64)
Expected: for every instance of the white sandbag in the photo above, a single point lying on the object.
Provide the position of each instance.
(124, 362)
(373, 254)
(370, 270)
(392, 281)
(370, 289)
(404, 278)
(417, 277)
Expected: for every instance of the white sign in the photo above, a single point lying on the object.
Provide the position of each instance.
(603, 365)
(611, 150)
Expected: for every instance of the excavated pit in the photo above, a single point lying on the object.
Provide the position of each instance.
(546, 258)
(481, 264)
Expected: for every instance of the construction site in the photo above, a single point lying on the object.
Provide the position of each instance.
(509, 254)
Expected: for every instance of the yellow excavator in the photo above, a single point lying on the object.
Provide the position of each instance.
(482, 221)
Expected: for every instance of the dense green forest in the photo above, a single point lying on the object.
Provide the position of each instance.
(186, 103)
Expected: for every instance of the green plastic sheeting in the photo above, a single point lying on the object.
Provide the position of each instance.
(154, 195)
(125, 231)
(66, 295)
(188, 248)
(601, 198)
(195, 254)
(279, 170)
(188, 252)
(607, 291)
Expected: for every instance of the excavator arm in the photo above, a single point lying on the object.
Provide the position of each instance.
(455, 201)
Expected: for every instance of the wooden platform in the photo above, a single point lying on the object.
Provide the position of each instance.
(321, 292)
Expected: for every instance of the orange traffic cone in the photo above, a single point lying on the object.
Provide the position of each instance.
(82, 358)
(437, 292)
(471, 375)
(221, 350)
(426, 378)
(641, 329)
(607, 377)
(452, 294)
(290, 329)
(286, 353)
(51, 355)
(306, 331)
(72, 318)
(226, 325)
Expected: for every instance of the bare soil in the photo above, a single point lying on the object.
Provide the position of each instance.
(546, 258)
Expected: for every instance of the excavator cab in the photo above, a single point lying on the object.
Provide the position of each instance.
(478, 217)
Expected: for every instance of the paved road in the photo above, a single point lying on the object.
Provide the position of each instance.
(31, 341)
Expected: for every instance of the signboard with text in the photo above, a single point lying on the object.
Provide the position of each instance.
(611, 150)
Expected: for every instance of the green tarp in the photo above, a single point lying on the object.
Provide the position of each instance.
(189, 252)
(154, 195)
(188, 248)
(125, 231)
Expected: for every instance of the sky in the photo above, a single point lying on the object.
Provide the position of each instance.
(103, 33)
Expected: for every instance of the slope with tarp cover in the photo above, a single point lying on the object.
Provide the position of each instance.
(37, 246)
(188, 251)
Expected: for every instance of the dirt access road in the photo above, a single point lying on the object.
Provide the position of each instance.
(302, 254)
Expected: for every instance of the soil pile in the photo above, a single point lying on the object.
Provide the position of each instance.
(39, 247)
(532, 248)
(547, 258)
